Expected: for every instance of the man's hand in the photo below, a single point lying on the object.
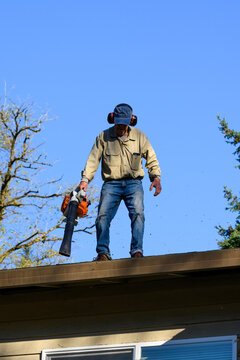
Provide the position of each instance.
(158, 188)
(83, 185)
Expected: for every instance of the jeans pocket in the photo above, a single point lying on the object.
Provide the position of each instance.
(136, 159)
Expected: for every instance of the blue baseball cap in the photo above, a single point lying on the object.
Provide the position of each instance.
(122, 114)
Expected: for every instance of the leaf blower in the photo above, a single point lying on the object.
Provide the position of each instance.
(74, 206)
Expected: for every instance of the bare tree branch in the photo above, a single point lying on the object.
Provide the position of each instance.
(24, 200)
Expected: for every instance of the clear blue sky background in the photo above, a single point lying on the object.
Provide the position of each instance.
(177, 63)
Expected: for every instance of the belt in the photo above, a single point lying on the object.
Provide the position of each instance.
(125, 178)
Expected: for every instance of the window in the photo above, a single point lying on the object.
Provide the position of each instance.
(220, 348)
(214, 350)
(91, 354)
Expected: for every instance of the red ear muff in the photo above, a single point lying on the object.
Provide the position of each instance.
(110, 118)
(133, 121)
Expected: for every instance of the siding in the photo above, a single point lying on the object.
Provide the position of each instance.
(124, 310)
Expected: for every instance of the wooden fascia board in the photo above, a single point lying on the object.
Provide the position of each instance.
(123, 268)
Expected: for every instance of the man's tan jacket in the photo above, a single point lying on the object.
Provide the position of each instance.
(121, 158)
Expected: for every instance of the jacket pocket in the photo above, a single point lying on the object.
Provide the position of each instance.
(112, 155)
(136, 160)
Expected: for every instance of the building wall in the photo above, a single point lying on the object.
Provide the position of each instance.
(194, 305)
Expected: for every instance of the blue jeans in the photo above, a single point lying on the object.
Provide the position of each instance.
(131, 192)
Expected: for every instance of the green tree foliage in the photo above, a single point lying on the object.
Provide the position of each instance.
(30, 221)
(231, 235)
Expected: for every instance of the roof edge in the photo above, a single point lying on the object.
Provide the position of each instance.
(122, 268)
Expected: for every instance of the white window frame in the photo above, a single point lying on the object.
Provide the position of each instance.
(136, 347)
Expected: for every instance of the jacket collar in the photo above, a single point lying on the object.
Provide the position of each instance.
(113, 134)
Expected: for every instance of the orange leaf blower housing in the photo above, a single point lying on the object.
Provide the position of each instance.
(82, 209)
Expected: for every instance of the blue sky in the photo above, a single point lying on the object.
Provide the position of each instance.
(175, 62)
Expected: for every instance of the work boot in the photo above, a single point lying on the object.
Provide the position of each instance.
(137, 254)
(102, 257)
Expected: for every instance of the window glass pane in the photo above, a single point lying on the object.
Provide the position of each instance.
(100, 355)
(221, 350)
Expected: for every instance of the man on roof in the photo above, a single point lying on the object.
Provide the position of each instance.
(120, 149)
